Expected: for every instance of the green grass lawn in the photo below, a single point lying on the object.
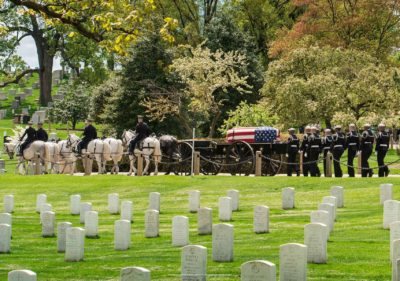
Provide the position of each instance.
(358, 248)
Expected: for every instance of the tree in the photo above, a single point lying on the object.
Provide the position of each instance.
(367, 25)
(315, 84)
(246, 115)
(73, 108)
(261, 19)
(207, 77)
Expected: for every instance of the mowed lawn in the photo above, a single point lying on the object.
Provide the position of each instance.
(358, 248)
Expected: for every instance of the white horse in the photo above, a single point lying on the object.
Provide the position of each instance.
(151, 147)
(67, 158)
(96, 149)
(29, 154)
(116, 153)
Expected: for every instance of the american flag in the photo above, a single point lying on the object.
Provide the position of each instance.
(253, 134)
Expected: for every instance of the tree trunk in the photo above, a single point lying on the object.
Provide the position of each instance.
(45, 76)
(214, 124)
(328, 123)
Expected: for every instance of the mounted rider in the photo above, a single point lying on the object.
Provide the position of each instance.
(89, 134)
(142, 131)
(41, 134)
(30, 134)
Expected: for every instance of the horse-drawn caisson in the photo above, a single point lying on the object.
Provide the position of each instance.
(236, 154)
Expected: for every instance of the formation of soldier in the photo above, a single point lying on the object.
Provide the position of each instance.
(313, 145)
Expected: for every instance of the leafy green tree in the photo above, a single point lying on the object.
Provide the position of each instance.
(312, 84)
(73, 108)
(249, 115)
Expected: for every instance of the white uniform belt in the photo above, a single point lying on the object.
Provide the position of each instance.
(353, 143)
(293, 146)
(367, 142)
(315, 146)
(327, 148)
(383, 145)
(338, 145)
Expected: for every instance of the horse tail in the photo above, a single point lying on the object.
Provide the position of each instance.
(157, 151)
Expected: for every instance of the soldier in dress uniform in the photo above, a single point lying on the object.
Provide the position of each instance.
(326, 146)
(89, 134)
(314, 150)
(41, 134)
(367, 142)
(293, 144)
(382, 146)
(30, 134)
(304, 148)
(338, 146)
(142, 131)
(353, 145)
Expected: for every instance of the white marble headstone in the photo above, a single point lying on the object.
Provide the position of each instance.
(222, 242)
(113, 203)
(390, 212)
(225, 208)
(122, 235)
(62, 235)
(234, 194)
(330, 208)
(22, 275)
(293, 262)
(154, 201)
(396, 256)
(204, 221)
(46, 207)
(386, 192)
(40, 200)
(135, 273)
(8, 203)
(6, 218)
(151, 222)
(396, 270)
(288, 194)
(316, 242)
(75, 201)
(331, 200)
(194, 263)
(92, 224)
(180, 231)
(394, 235)
(75, 244)
(5, 238)
(258, 270)
(261, 219)
(83, 208)
(194, 201)
(48, 224)
(127, 210)
(323, 217)
(338, 192)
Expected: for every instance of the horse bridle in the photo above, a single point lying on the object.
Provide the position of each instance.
(70, 143)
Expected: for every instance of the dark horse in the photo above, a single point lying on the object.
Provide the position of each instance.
(169, 149)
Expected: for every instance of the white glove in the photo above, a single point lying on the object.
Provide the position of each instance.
(305, 154)
(358, 153)
(376, 152)
(287, 155)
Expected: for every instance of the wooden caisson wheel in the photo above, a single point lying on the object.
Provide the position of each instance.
(271, 168)
(240, 158)
(184, 158)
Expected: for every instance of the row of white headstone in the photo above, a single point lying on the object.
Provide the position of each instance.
(391, 220)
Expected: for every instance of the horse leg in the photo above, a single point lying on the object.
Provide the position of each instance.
(156, 168)
(131, 162)
(146, 168)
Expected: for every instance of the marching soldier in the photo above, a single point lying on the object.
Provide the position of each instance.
(142, 132)
(41, 134)
(353, 144)
(304, 149)
(367, 142)
(292, 151)
(338, 147)
(326, 146)
(30, 134)
(315, 144)
(382, 146)
(89, 134)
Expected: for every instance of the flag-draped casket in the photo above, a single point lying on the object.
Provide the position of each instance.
(253, 134)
